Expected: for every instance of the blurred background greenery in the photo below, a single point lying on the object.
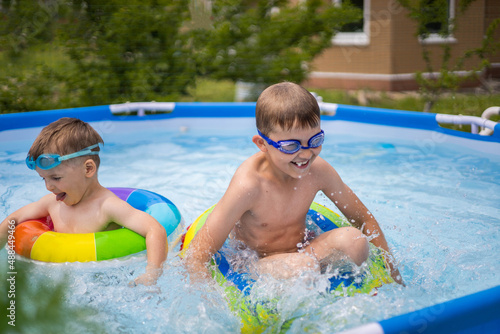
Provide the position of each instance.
(39, 306)
(73, 53)
(59, 53)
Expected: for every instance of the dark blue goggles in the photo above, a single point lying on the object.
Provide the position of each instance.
(48, 161)
(293, 146)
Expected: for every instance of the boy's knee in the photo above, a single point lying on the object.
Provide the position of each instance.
(353, 243)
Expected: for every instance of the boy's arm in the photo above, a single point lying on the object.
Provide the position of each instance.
(210, 238)
(35, 210)
(142, 223)
(356, 212)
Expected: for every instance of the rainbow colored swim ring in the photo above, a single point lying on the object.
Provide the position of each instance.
(257, 318)
(36, 240)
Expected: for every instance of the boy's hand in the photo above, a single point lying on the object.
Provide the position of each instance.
(148, 278)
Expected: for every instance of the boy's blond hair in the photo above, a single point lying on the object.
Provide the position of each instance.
(66, 136)
(286, 105)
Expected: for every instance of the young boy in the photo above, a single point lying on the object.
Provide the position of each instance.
(267, 200)
(66, 155)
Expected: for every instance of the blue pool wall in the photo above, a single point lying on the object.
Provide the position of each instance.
(474, 313)
(378, 116)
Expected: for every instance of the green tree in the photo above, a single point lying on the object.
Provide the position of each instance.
(432, 17)
(26, 23)
(136, 51)
(103, 52)
(265, 42)
(27, 81)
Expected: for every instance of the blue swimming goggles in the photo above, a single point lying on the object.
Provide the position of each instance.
(48, 161)
(293, 146)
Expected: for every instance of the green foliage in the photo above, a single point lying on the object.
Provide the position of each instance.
(207, 90)
(38, 89)
(265, 42)
(143, 50)
(38, 305)
(132, 52)
(465, 103)
(26, 23)
(431, 17)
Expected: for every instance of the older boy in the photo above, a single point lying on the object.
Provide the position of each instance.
(266, 203)
(66, 155)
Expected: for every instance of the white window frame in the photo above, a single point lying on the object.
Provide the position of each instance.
(355, 38)
(439, 39)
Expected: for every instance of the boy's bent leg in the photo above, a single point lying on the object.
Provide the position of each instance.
(335, 244)
(286, 265)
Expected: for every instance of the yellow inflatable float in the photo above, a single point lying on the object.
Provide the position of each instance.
(256, 317)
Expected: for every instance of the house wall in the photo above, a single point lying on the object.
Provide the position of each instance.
(394, 53)
(349, 66)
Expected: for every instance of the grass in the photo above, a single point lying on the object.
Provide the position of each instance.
(462, 103)
(211, 91)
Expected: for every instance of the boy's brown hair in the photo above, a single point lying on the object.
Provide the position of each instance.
(286, 105)
(66, 136)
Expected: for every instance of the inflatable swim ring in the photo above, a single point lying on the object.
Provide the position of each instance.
(257, 317)
(36, 240)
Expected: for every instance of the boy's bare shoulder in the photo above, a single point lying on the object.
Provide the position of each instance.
(252, 167)
(249, 166)
(47, 201)
(322, 168)
(247, 177)
(326, 177)
(110, 201)
(113, 208)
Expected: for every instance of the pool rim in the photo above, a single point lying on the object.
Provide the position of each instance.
(170, 110)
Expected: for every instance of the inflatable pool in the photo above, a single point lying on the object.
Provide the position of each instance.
(449, 289)
(36, 240)
(257, 317)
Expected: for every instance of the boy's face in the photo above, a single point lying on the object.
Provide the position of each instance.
(67, 181)
(297, 164)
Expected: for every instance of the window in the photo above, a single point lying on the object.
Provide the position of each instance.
(354, 26)
(437, 21)
(356, 33)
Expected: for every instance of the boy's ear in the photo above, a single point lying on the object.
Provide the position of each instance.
(90, 168)
(259, 141)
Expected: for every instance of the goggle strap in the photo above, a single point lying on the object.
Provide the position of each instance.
(85, 151)
(75, 155)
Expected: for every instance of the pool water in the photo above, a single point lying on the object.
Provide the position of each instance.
(437, 202)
